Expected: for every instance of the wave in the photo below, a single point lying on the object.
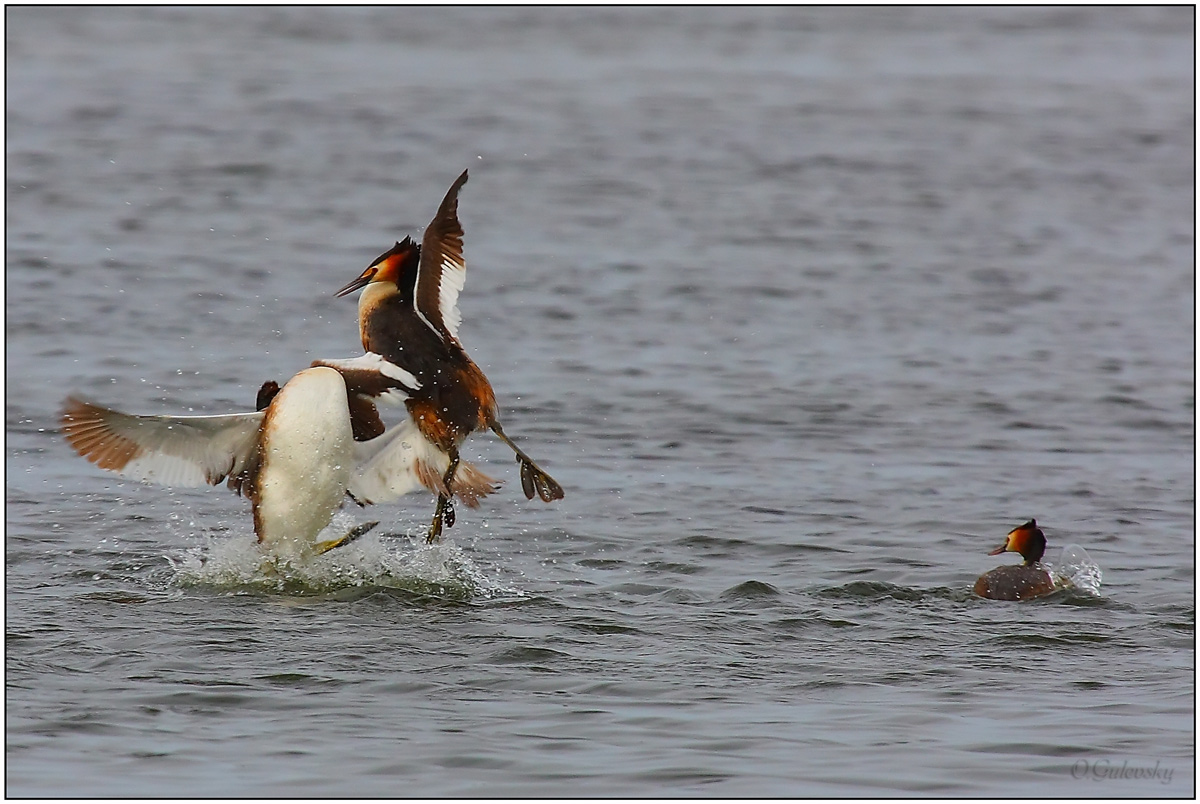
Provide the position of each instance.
(374, 562)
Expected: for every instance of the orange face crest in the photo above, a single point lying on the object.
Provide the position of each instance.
(1026, 539)
(390, 266)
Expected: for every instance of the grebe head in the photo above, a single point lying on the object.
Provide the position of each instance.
(1027, 539)
(397, 265)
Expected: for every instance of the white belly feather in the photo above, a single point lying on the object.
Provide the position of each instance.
(308, 456)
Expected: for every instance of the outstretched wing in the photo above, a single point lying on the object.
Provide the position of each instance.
(171, 450)
(443, 271)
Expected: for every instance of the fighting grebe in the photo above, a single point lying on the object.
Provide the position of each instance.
(295, 458)
(408, 315)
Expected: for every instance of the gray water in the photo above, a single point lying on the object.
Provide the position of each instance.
(805, 308)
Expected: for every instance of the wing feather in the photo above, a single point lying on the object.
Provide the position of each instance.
(171, 450)
(371, 375)
(402, 461)
(442, 272)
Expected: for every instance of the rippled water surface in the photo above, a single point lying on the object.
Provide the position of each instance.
(805, 309)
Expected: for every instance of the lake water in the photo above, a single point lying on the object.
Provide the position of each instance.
(805, 308)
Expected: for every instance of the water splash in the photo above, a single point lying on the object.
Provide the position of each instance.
(1076, 569)
(374, 561)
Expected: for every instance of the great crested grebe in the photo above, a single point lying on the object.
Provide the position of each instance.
(1018, 581)
(295, 458)
(408, 316)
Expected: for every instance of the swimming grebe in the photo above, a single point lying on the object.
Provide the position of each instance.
(408, 315)
(1018, 581)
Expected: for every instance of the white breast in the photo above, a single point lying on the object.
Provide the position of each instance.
(308, 455)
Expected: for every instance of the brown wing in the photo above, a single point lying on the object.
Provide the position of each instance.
(365, 423)
(372, 376)
(443, 271)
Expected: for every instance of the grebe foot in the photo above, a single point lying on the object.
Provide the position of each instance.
(534, 479)
(443, 515)
(355, 532)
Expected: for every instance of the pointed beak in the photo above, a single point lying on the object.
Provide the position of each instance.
(360, 282)
(999, 549)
